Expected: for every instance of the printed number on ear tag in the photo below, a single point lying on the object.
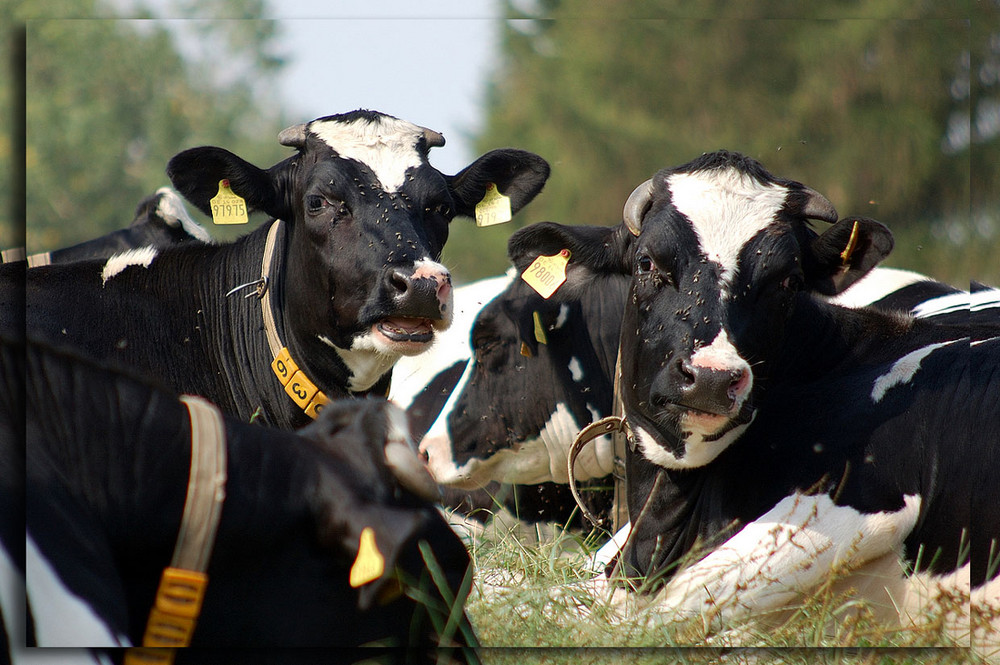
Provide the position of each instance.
(494, 208)
(228, 207)
(547, 273)
(370, 563)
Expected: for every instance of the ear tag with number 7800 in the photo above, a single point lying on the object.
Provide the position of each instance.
(547, 273)
(228, 207)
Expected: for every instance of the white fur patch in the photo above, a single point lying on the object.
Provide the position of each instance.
(142, 256)
(877, 284)
(365, 360)
(786, 552)
(697, 451)
(412, 373)
(726, 209)
(575, 369)
(902, 371)
(171, 210)
(62, 619)
(540, 459)
(387, 146)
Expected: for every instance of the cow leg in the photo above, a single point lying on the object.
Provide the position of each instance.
(786, 552)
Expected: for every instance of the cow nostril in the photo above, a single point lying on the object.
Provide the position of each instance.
(399, 281)
(424, 457)
(686, 373)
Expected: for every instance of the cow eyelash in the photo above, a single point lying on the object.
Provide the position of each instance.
(646, 267)
(316, 204)
(442, 209)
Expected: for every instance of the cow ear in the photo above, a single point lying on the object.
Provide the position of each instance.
(196, 173)
(602, 250)
(519, 175)
(845, 253)
(389, 532)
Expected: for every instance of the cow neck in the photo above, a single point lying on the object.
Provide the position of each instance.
(306, 395)
(182, 585)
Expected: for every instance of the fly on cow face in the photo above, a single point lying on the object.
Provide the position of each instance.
(713, 249)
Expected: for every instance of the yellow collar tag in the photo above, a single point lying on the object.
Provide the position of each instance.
(494, 208)
(539, 329)
(228, 207)
(547, 273)
(852, 242)
(303, 392)
(370, 563)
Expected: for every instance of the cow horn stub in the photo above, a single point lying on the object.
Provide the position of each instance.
(433, 139)
(636, 206)
(294, 136)
(818, 206)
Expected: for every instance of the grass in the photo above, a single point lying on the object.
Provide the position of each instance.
(523, 624)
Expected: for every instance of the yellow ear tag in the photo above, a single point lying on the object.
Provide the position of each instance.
(494, 208)
(525, 350)
(547, 273)
(852, 242)
(370, 563)
(539, 329)
(228, 207)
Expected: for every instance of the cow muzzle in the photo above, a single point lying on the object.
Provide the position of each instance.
(420, 301)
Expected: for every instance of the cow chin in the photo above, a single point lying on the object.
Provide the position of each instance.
(694, 451)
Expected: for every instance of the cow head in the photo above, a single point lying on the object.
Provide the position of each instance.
(368, 219)
(540, 370)
(720, 254)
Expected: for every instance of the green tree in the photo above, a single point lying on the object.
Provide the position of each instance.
(108, 101)
(856, 103)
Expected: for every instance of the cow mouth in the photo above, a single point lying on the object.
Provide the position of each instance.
(406, 330)
(716, 425)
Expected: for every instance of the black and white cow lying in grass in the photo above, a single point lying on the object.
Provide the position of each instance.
(160, 220)
(502, 403)
(789, 436)
(351, 280)
(107, 460)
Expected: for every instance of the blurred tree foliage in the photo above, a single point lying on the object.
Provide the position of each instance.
(892, 113)
(124, 86)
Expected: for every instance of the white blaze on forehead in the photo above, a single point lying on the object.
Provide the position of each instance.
(142, 256)
(726, 208)
(388, 146)
(903, 370)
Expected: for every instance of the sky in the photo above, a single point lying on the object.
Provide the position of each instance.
(427, 62)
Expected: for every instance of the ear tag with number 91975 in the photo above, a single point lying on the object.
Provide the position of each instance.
(547, 273)
(494, 208)
(228, 207)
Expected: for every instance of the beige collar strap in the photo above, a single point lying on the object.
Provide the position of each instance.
(297, 385)
(270, 329)
(182, 586)
(617, 427)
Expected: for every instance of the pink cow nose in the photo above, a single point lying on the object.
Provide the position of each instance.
(424, 292)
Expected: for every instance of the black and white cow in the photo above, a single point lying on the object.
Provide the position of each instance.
(791, 435)
(160, 220)
(352, 280)
(106, 463)
(499, 405)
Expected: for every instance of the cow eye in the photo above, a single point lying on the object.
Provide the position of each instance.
(442, 209)
(314, 204)
(644, 265)
(792, 282)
